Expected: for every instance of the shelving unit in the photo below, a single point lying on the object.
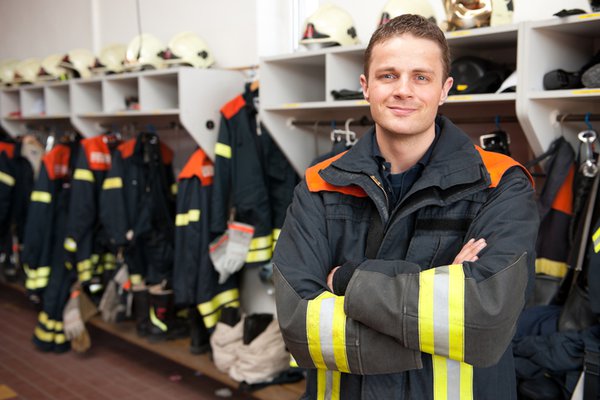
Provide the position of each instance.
(566, 44)
(297, 87)
(185, 96)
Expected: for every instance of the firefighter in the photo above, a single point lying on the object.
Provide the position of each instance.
(404, 263)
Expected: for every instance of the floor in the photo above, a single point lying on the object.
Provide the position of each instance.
(111, 369)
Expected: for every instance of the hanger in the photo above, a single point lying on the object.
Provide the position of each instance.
(587, 138)
(344, 134)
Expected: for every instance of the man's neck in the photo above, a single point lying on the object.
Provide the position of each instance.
(403, 151)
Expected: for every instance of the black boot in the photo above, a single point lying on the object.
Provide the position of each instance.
(163, 324)
(199, 335)
(141, 311)
(254, 325)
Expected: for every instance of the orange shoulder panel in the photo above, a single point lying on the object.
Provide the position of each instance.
(233, 106)
(497, 164)
(8, 148)
(97, 153)
(166, 153)
(199, 166)
(564, 198)
(57, 161)
(317, 184)
(127, 148)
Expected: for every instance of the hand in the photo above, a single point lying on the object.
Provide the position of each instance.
(330, 278)
(469, 251)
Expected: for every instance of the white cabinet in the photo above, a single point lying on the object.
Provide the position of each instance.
(185, 96)
(549, 45)
(298, 109)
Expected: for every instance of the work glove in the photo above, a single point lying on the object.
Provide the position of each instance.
(229, 251)
(74, 323)
(111, 306)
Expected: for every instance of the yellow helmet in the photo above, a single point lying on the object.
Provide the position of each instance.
(110, 60)
(329, 26)
(188, 48)
(393, 8)
(26, 71)
(7, 71)
(467, 14)
(78, 63)
(50, 68)
(143, 52)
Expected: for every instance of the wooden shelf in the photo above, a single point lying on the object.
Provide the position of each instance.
(179, 351)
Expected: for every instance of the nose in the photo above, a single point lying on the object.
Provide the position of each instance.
(402, 88)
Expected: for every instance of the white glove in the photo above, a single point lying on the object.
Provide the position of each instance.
(73, 324)
(229, 251)
(110, 304)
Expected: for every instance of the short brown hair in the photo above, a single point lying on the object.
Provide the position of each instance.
(415, 25)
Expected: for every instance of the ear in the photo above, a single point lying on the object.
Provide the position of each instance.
(365, 86)
(445, 89)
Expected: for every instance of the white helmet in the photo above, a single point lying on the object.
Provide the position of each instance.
(26, 71)
(329, 26)
(509, 84)
(110, 60)
(189, 49)
(50, 68)
(467, 14)
(393, 8)
(143, 52)
(78, 62)
(7, 71)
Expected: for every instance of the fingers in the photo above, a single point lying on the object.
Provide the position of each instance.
(330, 278)
(470, 251)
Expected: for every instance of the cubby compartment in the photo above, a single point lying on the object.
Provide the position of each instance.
(299, 78)
(120, 94)
(159, 92)
(86, 97)
(10, 103)
(33, 103)
(343, 71)
(58, 102)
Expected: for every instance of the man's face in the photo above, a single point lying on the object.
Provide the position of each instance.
(405, 85)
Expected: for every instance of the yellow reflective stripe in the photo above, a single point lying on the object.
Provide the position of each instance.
(223, 150)
(84, 265)
(44, 336)
(60, 338)
(339, 335)
(157, 322)
(184, 219)
(293, 362)
(556, 269)
(440, 378)
(83, 175)
(261, 242)
(45, 321)
(259, 255)
(70, 245)
(41, 197)
(336, 385)
(313, 317)
(217, 301)
(321, 383)
(466, 381)
(212, 319)
(112, 183)
(135, 279)
(43, 272)
(456, 313)
(276, 233)
(596, 240)
(7, 179)
(426, 341)
(174, 188)
(85, 276)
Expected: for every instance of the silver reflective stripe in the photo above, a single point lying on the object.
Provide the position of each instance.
(453, 368)
(326, 332)
(440, 311)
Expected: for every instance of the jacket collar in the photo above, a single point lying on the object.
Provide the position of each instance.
(454, 161)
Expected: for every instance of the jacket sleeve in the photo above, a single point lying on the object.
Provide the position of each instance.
(82, 206)
(38, 230)
(463, 312)
(313, 322)
(222, 186)
(113, 212)
(7, 185)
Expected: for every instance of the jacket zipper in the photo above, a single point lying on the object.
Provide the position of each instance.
(374, 179)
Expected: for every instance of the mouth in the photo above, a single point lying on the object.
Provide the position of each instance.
(401, 111)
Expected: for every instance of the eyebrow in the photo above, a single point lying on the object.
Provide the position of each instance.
(416, 70)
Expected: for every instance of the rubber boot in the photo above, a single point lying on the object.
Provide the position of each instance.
(141, 311)
(199, 335)
(254, 325)
(160, 314)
